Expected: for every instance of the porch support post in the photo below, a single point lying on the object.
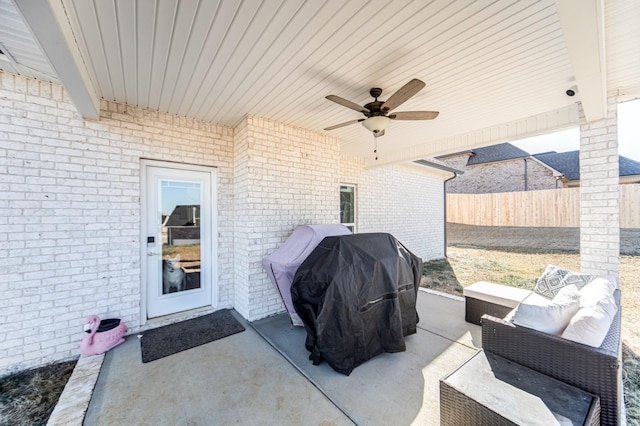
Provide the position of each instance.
(599, 195)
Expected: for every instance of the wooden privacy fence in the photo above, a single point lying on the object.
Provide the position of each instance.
(546, 208)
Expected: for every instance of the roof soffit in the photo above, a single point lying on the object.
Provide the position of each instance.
(48, 23)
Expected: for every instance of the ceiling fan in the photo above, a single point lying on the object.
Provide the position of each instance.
(378, 113)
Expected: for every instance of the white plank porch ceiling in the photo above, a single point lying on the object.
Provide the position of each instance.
(485, 62)
(24, 56)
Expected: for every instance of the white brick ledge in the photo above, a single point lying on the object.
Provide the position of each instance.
(74, 400)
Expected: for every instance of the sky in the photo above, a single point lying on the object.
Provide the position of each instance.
(569, 140)
(177, 193)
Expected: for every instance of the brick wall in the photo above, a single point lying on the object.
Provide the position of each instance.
(285, 176)
(404, 200)
(599, 195)
(70, 210)
(241, 222)
(70, 213)
(501, 176)
(540, 177)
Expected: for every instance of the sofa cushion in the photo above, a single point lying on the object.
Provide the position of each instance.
(554, 278)
(596, 291)
(549, 316)
(497, 294)
(598, 308)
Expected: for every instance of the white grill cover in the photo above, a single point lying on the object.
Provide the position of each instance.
(282, 264)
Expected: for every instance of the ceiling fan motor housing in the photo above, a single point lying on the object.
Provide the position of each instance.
(375, 109)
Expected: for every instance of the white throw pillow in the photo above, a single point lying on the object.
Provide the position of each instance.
(568, 294)
(548, 316)
(591, 323)
(596, 291)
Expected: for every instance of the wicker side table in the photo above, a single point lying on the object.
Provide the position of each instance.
(490, 390)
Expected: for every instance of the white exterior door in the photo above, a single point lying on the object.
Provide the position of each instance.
(178, 259)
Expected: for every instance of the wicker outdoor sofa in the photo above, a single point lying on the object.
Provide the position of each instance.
(595, 370)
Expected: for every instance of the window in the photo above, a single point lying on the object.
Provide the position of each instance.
(348, 206)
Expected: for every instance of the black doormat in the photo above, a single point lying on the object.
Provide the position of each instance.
(178, 337)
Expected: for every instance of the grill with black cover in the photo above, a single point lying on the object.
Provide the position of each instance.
(356, 295)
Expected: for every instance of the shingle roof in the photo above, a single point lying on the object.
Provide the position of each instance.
(184, 215)
(629, 167)
(500, 152)
(568, 163)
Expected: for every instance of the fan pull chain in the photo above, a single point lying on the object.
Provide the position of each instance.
(375, 147)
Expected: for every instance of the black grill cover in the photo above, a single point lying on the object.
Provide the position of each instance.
(356, 295)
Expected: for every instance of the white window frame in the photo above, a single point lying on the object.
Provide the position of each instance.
(351, 225)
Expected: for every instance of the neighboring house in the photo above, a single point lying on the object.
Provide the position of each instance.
(497, 168)
(184, 215)
(507, 168)
(566, 167)
(182, 226)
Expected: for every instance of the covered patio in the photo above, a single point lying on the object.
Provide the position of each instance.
(263, 375)
(98, 96)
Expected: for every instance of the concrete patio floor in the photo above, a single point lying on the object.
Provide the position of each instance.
(262, 376)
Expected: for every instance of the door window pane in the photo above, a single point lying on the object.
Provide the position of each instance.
(180, 206)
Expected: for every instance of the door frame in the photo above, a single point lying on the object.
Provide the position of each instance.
(144, 187)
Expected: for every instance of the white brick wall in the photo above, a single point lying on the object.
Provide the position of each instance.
(285, 176)
(70, 209)
(406, 201)
(599, 195)
(70, 213)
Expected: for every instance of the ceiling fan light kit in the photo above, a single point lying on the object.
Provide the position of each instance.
(376, 124)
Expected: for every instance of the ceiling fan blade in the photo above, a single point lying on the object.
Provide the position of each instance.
(380, 133)
(414, 115)
(344, 124)
(346, 103)
(403, 94)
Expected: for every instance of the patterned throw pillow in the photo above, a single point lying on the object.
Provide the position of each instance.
(554, 279)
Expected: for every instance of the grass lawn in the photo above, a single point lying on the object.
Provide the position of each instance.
(29, 397)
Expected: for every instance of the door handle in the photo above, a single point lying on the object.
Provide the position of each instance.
(151, 253)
